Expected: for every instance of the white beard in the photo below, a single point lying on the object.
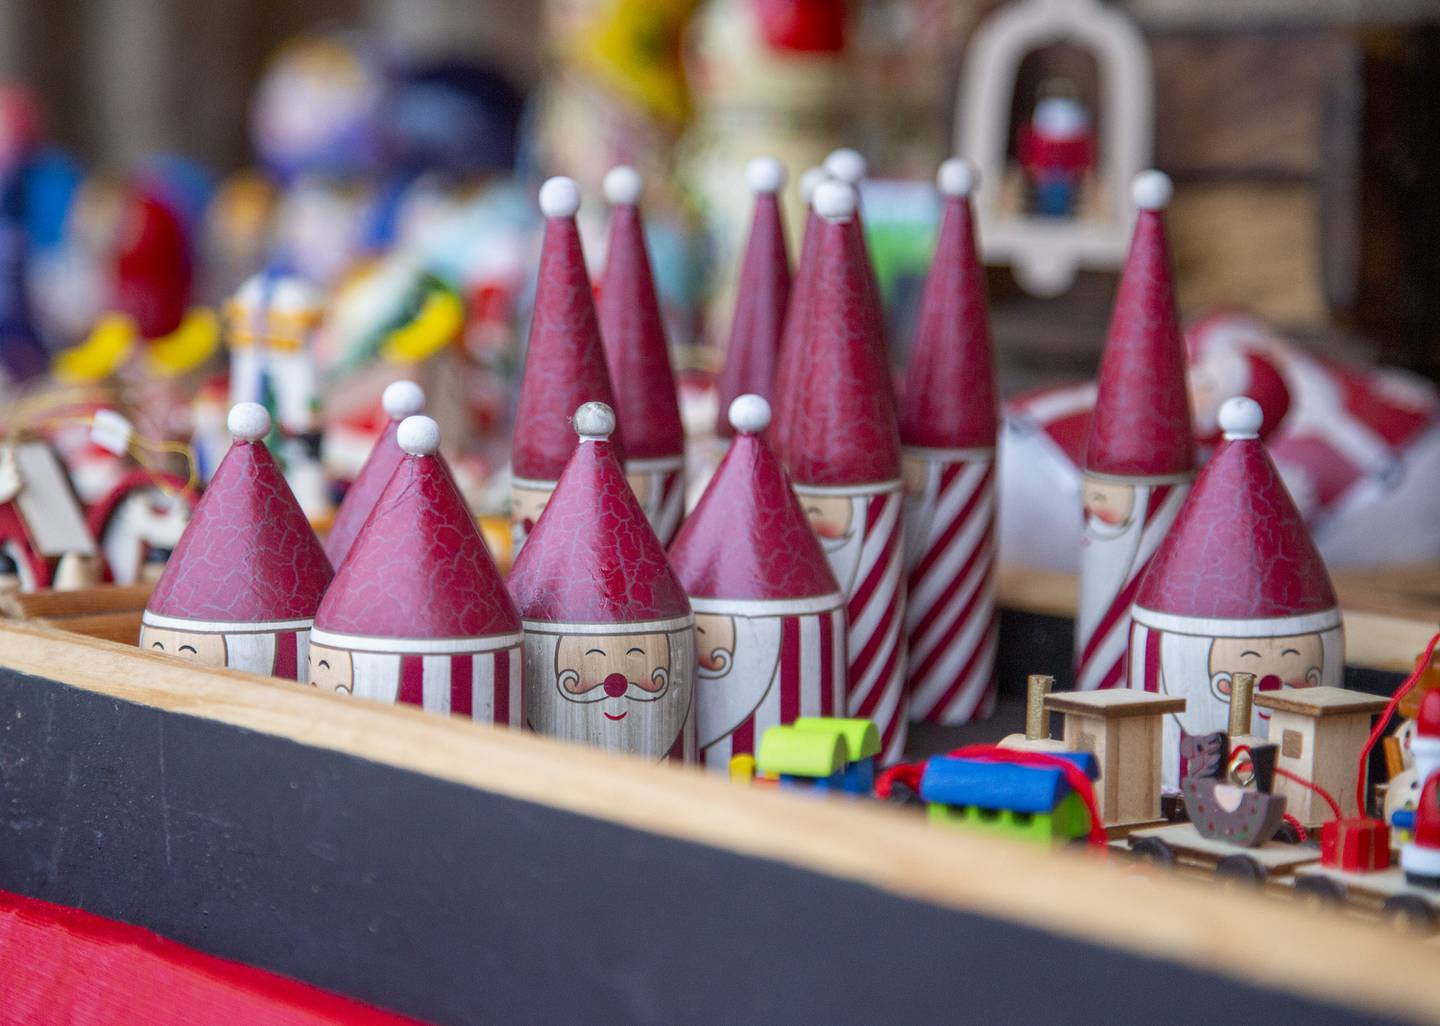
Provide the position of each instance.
(919, 513)
(843, 554)
(1107, 559)
(726, 697)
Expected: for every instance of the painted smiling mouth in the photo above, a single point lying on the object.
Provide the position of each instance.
(611, 716)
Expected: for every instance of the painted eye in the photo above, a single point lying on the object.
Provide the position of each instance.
(1289, 651)
(187, 648)
(635, 651)
(595, 651)
(156, 644)
(324, 664)
(1247, 654)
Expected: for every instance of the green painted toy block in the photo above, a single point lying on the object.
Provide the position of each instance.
(862, 738)
(1069, 820)
(800, 753)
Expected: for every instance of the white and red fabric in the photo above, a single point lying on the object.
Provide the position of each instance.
(243, 584)
(1140, 448)
(843, 453)
(564, 362)
(638, 359)
(948, 423)
(1236, 586)
(609, 633)
(769, 615)
(417, 613)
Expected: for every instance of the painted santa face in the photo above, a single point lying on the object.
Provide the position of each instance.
(714, 644)
(738, 657)
(205, 649)
(1296, 661)
(616, 670)
(526, 505)
(837, 521)
(1109, 506)
(331, 669)
(916, 475)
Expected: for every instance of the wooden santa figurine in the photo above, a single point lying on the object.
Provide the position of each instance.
(242, 587)
(564, 362)
(609, 635)
(762, 293)
(400, 399)
(638, 359)
(769, 615)
(1236, 586)
(948, 425)
(797, 315)
(844, 455)
(1140, 453)
(418, 613)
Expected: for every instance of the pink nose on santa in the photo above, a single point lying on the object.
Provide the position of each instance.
(615, 685)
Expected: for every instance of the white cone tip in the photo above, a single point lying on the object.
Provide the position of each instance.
(847, 165)
(248, 422)
(419, 436)
(594, 421)
(809, 182)
(402, 399)
(765, 175)
(1151, 190)
(749, 414)
(623, 185)
(1241, 417)
(957, 177)
(835, 201)
(559, 197)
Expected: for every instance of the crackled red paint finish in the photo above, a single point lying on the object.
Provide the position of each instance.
(1239, 548)
(419, 568)
(646, 404)
(748, 537)
(1140, 426)
(760, 300)
(593, 557)
(793, 340)
(360, 497)
(845, 431)
(248, 555)
(949, 397)
(564, 362)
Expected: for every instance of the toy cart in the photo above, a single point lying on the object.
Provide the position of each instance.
(1384, 893)
(1181, 845)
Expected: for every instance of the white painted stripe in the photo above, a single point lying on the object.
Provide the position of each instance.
(526, 482)
(415, 646)
(876, 488)
(872, 680)
(921, 644)
(181, 623)
(885, 595)
(768, 607)
(1138, 635)
(667, 520)
(920, 452)
(482, 692)
(1217, 627)
(929, 690)
(940, 578)
(810, 679)
(1142, 480)
(517, 688)
(435, 683)
(839, 663)
(1092, 674)
(678, 623)
(872, 546)
(655, 465)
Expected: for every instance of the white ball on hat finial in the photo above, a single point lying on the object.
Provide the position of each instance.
(749, 414)
(1241, 417)
(835, 201)
(594, 422)
(623, 185)
(559, 197)
(1151, 190)
(957, 177)
(847, 165)
(248, 422)
(765, 175)
(810, 181)
(402, 399)
(419, 436)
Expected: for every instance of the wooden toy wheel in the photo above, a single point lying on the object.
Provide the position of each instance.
(1152, 849)
(1287, 834)
(1409, 913)
(1319, 890)
(1240, 869)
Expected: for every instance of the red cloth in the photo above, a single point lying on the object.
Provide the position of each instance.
(1040, 154)
(59, 964)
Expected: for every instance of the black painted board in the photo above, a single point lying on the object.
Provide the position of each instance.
(463, 906)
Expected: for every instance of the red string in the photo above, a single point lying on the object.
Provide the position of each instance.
(1384, 721)
(1329, 798)
(1301, 834)
(909, 774)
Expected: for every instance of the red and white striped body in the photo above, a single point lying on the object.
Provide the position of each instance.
(479, 678)
(659, 484)
(861, 529)
(1126, 519)
(277, 648)
(950, 616)
(762, 663)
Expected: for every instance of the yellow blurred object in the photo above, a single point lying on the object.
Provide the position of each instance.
(742, 769)
(187, 347)
(108, 346)
(634, 46)
(438, 323)
(496, 532)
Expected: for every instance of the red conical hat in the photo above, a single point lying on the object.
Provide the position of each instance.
(949, 400)
(844, 432)
(401, 399)
(565, 360)
(1239, 550)
(633, 332)
(419, 568)
(850, 167)
(797, 316)
(1141, 423)
(248, 554)
(748, 537)
(593, 557)
(760, 298)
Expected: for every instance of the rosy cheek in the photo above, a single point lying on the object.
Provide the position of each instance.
(827, 529)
